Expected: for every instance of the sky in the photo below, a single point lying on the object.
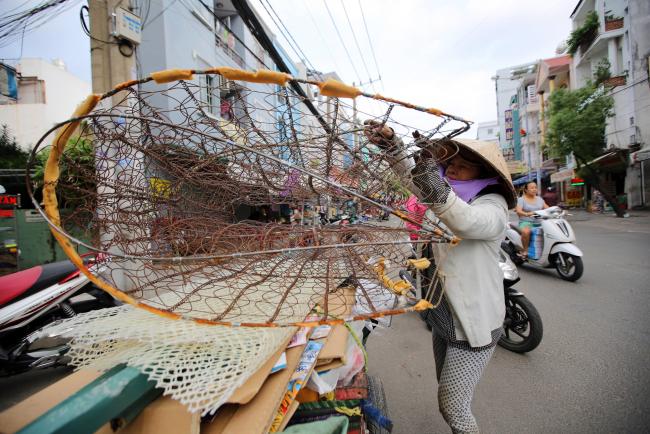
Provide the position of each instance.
(433, 53)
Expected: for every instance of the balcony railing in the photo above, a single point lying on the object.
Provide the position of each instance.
(619, 80)
(229, 51)
(614, 23)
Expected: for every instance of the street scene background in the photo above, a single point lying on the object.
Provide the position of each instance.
(588, 375)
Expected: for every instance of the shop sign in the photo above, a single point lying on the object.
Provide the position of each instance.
(640, 156)
(574, 197)
(562, 175)
(577, 181)
(6, 199)
(509, 125)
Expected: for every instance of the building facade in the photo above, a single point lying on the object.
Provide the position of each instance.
(512, 87)
(488, 131)
(552, 74)
(38, 94)
(616, 53)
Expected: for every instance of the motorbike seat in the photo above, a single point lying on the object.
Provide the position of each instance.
(16, 286)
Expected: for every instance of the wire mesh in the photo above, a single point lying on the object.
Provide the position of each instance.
(212, 199)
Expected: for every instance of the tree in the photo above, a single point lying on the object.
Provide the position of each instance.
(12, 156)
(77, 183)
(576, 125)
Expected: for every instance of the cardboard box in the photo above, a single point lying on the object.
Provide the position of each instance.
(332, 355)
(257, 415)
(164, 415)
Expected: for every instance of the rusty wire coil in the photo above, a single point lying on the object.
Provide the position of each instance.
(181, 181)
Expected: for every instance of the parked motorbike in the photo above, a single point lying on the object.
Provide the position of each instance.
(35, 297)
(522, 325)
(557, 248)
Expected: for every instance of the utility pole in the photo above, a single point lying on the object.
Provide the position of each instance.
(112, 59)
(112, 56)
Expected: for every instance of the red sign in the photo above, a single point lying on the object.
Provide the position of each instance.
(6, 199)
(6, 213)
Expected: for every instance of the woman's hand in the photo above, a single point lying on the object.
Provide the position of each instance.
(381, 135)
(427, 178)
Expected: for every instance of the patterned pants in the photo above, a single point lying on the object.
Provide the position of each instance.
(458, 372)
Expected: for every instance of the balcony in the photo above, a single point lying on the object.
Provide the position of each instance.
(226, 47)
(619, 80)
(614, 23)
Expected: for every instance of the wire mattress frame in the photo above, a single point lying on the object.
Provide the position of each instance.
(181, 181)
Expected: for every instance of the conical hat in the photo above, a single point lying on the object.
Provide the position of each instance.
(490, 153)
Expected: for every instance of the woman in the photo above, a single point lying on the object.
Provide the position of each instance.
(527, 204)
(471, 194)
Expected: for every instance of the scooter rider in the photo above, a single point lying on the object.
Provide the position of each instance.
(471, 194)
(527, 204)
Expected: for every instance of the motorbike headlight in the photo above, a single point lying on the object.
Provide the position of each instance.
(509, 271)
(508, 268)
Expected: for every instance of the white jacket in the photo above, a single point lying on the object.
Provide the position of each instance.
(473, 278)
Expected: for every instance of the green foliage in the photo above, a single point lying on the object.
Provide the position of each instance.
(77, 179)
(602, 71)
(576, 122)
(578, 35)
(12, 156)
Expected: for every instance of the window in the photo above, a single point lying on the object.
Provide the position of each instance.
(31, 91)
(531, 93)
(208, 94)
(259, 52)
(490, 131)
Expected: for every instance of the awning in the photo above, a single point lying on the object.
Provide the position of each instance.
(615, 160)
(532, 176)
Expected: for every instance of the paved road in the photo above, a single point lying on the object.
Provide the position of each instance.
(590, 374)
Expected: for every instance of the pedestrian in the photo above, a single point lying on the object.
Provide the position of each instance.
(550, 196)
(470, 194)
(416, 210)
(527, 204)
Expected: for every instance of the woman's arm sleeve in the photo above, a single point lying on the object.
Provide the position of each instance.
(485, 219)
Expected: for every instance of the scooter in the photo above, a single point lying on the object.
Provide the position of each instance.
(35, 297)
(552, 244)
(522, 326)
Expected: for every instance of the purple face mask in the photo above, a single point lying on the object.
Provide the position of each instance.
(467, 190)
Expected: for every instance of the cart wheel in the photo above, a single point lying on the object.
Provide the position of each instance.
(377, 418)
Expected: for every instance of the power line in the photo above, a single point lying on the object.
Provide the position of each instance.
(86, 30)
(372, 50)
(342, 42)
(296, 49)
(329, 50)
(354, 36)
(14, 26)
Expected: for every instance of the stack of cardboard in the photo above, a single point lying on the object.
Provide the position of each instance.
(265, 402)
